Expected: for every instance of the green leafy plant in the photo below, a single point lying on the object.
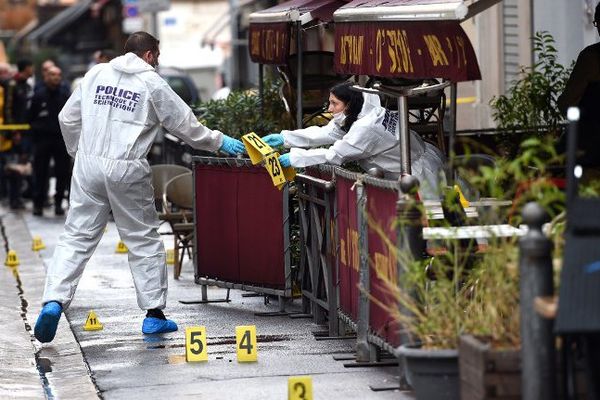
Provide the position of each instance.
(525, 177)
(241, 112)
(531, 101)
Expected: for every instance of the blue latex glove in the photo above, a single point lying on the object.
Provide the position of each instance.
(273, 139)
(232, 146)
(284, 160)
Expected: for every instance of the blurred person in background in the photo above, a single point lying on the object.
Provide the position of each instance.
(47, 101)
(5, 136)
(18, 98)
(583, 90)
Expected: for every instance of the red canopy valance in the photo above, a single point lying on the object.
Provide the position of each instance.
(270, 29)
(408, 49)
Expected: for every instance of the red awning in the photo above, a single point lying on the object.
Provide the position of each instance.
(270, 28)
(270, 43)
(420, 49)
(404, 38)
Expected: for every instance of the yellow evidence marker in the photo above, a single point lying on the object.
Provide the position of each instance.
(245, 342)
(260, 152)
(300, 388)
(170, 256)
(463, 200)
(92, 323)
(195, 344)
(37, 244)
(121, 248)
(11, 259)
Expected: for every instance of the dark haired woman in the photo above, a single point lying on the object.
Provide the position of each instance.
(361, 130)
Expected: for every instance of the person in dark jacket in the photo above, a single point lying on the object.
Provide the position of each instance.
(583, 91)
(17, 100)
(47, 101)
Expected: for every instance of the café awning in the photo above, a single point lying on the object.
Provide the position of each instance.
(405, 39)
(270, 29)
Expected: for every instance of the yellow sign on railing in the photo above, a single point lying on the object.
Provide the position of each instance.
(260, 152)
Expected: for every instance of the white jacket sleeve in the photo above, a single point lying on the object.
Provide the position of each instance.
(69, 119)
(357, 144)
(360, 142)
(300, 158)
(313, 136)
(178, 118)
(340, 152)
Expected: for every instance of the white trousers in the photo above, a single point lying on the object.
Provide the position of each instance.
(98, 186)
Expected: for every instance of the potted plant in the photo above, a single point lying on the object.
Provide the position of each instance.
(432, 295)
(463, 290)
(459, 290)
(529, 108)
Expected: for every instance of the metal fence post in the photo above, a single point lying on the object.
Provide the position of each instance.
(538, 353)
(409, 241)
(363, 353)
(410, 232)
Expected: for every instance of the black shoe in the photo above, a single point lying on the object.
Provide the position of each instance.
(38, 211)
(59, 211)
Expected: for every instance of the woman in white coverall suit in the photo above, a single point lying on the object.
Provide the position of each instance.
(109, 125)
(361, 130)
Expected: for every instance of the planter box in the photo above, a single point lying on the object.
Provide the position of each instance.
(433, 374)
(486, 373)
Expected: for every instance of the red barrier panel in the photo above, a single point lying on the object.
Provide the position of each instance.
(239, 225)
(347, 226)
(381, 211)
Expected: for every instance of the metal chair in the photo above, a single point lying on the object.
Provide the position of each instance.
(178, 200)
(161, 174)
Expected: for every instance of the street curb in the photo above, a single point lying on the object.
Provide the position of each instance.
(59, 367)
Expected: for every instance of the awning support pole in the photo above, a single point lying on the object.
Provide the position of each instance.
(404, 137)
(299, 124)
(261, 88)
(451, 134)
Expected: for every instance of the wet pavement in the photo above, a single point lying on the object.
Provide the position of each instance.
(119, 362)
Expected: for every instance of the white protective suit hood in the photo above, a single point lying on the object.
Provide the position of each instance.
(130, 63)
(370, 102)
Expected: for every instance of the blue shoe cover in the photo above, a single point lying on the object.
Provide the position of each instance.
(47, 322)
(157, 325)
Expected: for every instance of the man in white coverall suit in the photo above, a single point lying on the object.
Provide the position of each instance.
(109, 125)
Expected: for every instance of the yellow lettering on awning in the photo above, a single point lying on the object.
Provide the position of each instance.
(460, 46)
(438, 57)
(378, 51)
(351, 49)
(398, 51)
(355, 253)
(385, 267)
(255, 50)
